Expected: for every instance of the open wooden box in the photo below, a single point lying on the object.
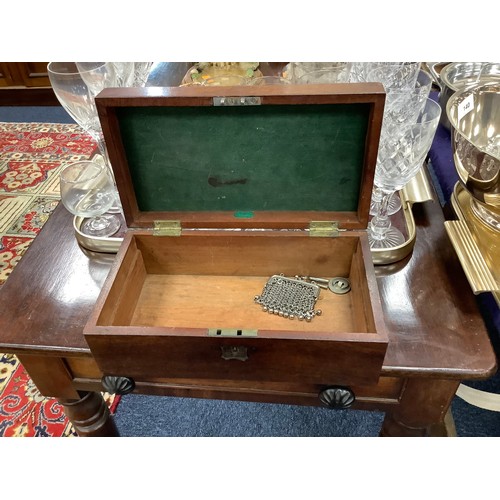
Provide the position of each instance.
(220, 191)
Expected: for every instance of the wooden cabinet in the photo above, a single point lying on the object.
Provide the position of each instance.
(6, 79)
(24, 74)
(25, 84)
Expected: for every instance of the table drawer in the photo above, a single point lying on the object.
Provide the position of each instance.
(386, 391)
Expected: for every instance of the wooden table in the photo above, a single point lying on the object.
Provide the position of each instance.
(437, 337)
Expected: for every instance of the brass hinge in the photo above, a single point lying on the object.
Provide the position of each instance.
(324, 229)
(167, 228)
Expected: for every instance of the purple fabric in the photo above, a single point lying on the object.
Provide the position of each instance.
(443, 167)
(441, 157)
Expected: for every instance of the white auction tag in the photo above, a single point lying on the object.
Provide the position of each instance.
(465, 106)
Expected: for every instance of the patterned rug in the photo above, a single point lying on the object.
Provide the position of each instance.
(31, 157)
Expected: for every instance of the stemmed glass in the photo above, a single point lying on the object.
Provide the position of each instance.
(124, 72)
(73, 94)
(87, 190)
(400, 157)
(395, 77)
(131, 74)
(141, 73)
(401, 106)
(97, 75)
(76, 91)
(75, 86)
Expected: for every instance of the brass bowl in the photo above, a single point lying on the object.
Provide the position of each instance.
(474, 115)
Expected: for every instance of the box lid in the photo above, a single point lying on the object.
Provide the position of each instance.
(248, 157)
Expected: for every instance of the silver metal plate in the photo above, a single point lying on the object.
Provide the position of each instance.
(237, 101)
(231, 332)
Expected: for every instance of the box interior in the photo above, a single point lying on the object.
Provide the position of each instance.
(209, 282)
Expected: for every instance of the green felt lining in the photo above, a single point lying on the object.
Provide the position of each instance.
(246, 158)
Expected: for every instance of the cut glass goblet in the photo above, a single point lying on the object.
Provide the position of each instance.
(400, 157)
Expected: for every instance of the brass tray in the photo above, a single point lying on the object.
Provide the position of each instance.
(95, 243)
(477, 245)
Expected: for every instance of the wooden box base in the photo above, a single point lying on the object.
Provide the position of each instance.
(181, 302)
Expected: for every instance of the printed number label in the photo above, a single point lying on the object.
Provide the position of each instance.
(465, 106)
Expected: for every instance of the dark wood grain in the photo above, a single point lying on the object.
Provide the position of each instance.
(433, 321)
(431, 313)
(49, 295)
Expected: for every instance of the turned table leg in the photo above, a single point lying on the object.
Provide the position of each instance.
(87, 411)
(90, 416)
(422, 409)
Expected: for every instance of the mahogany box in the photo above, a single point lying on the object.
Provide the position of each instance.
(223, 187)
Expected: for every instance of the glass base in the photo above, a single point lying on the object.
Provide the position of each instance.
(392, 238)
(102, 226)
(394, 205)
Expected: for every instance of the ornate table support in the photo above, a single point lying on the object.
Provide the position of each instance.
(423, 407)
(90, 416)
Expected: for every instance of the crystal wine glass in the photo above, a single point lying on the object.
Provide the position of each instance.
(132, 74)
(124, 72)
(87, 190)
(74, 95)
(401, 106)
(141, 73)
(400, 157)
(393, 75)
(76, 91)
(75, 86)
(97, 75)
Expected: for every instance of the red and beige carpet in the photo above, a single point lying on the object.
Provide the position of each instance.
(31, 157)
